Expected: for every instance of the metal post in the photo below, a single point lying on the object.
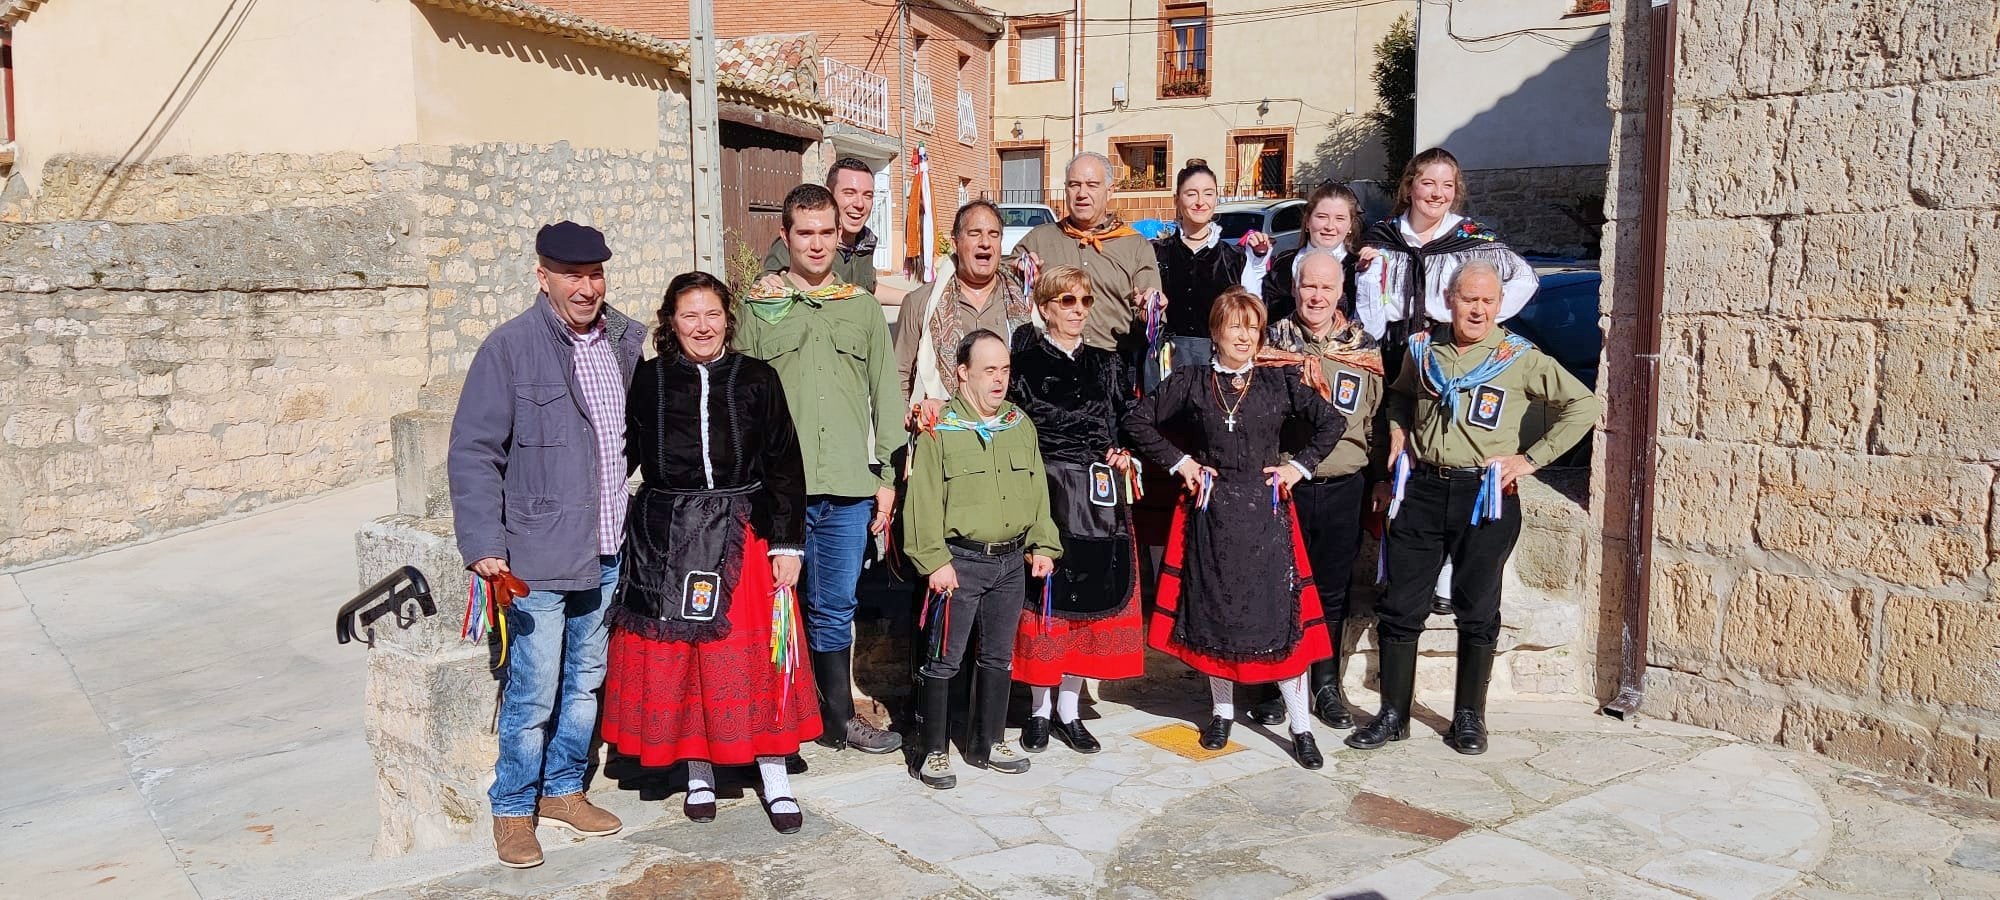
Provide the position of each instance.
(705, 137)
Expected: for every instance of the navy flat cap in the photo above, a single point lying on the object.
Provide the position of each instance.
(568, 242)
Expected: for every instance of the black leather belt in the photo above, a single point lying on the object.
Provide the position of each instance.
(1000, 548)
(1449, 472)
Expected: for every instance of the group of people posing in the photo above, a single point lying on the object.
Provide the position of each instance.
(1040, 427)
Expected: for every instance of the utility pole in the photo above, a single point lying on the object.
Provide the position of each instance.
(706, 138)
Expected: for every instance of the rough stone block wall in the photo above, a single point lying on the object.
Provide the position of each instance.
(155, 376)
(1827, 556)
(1548, 211)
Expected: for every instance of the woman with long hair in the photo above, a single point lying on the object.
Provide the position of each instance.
(1084, 620)
(707, 660)
(1236, 597)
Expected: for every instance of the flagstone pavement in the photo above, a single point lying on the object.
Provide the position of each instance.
(182, 725)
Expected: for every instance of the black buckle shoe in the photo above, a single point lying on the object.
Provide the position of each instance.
(1035, 734)
(1388, 725)
(1215, 735)
(1468, 732)
(1440, 606)
(1306, 750)
(1331, 708)
(1077, 737)
(1269, 712)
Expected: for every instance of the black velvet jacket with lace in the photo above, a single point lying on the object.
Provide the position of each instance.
(1077, 404)
(750, 437)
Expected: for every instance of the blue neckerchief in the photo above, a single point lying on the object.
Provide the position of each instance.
(1423, 352)
(950, 421)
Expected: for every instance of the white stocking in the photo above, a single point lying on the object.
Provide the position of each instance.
(1222, 693)
(1067, 697)
(1044, 700)
(777, 784)
(701, 782)
(1294, 692)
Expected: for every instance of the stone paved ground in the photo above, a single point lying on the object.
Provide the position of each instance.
(1566, 804)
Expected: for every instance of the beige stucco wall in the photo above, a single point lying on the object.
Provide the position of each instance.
(1314, 71)
(204, 77)
(474, 84)
(1499, 99)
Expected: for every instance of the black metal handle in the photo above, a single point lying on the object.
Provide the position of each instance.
(391, 594)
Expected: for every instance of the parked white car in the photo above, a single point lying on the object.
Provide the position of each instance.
(1017, 218)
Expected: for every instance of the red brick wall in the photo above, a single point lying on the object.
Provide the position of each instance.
(860, 34)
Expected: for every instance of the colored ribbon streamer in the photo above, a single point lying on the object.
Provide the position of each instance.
(1488, 506)
(1134, 489)
(1400, 480)
(1382, 558)
(1207, 490)
(784, 642)
(1277, 493)
(1048, 602)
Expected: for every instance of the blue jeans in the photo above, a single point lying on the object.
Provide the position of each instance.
(548, 708)
(836, 538)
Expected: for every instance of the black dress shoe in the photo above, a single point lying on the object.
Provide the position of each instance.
(1077, 737)
(1269, 712)
(1306, 750)
(1331, 708)
(1440, 606)
(1035, 734)
(1215, 735)
(698, 812)
(785, 822)
(1388, 725)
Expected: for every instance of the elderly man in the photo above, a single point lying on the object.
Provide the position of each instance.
(537, 468)
(853, 187)
(1119, 261)
(1456, 407)
(976, 296)
(830, 344)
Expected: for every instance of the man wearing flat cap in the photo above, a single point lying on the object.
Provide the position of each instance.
(537, 470)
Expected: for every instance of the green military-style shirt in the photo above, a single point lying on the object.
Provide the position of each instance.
(962, 486)
(1488, 423)
(1357, 394)
(853, 264)
(839, 373)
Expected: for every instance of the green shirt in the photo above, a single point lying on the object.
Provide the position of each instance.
(1459, 441)
(839, 373)
(854, 265)
(961, 486)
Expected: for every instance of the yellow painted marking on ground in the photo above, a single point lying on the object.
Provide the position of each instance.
(1184, 740)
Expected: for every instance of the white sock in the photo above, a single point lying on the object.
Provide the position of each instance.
(777, 784)
(1222, 693)
(1067, 697)
(1444, 579)
(1294, 692)
(701, 782)
(1044, 700)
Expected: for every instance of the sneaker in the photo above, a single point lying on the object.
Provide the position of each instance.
(576, 813)
(869, 739)
(1003, 758)
(935, 772)
(514, 839)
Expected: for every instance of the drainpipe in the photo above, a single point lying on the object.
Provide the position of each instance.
(903, 107)
(1652, 285)
(1076, 86)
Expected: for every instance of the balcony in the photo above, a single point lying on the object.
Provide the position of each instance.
(859, 97)
(924, 103)
(1184, 73)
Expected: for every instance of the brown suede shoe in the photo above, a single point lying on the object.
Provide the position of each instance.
(575, 812)
(514, 837)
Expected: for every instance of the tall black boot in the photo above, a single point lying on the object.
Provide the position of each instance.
(1468, 715)
(1328, 702)
(934, 720)
(833, 670)
(989, 748)
(1399, 682)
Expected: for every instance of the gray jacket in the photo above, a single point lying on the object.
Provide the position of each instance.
(523, 464)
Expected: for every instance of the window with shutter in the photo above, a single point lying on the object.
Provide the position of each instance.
(1039, 53)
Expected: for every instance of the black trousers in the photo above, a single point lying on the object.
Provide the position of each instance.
(1330, 520)
(1435, 521)
(991, 591)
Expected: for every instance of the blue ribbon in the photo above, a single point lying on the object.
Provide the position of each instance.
(1489, 505)
(1447, 389)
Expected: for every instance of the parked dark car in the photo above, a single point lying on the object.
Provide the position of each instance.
(1562, 321)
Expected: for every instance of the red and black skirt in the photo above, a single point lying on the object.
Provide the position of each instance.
(1236, 595)
(1086, 620)
(713, 695)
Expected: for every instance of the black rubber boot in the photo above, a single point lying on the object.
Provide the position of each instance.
(1399, 682)
(831, 672)
(989, 748)
(934, 719)
(1468, 715)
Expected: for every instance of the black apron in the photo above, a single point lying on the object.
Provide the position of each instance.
(682, 562)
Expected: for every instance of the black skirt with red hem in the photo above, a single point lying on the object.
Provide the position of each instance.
(1311, 645)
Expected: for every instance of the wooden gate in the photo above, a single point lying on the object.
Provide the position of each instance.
(758, 168)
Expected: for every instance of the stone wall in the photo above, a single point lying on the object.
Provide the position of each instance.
(156, 376)
(1828, 540)
(1549, 210)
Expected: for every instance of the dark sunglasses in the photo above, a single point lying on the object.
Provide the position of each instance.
(1072, 300)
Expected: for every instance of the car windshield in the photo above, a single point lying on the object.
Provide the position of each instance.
(1019, 217)
(1234, 224)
